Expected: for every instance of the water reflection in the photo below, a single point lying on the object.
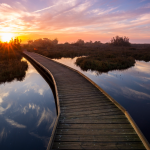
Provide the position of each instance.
(131, 88)
(27, 113)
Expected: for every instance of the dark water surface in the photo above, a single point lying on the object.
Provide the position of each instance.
(27, 113)
(130, 87)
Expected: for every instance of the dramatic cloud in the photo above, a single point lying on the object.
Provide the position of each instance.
(2, 134)
(133, 94)
(15, 124)
(106, 18)
(48, 117)
(31, 106)
(2, 95)
(2, 109)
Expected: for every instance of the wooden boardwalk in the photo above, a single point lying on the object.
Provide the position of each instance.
(88, 118)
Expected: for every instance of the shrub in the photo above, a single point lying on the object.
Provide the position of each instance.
(79, 42)
(105, 64)
(66, 43)
(120, 41)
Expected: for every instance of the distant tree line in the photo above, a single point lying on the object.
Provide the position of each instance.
(46, 43)
(42, 43)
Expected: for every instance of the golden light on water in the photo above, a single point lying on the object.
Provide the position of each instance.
(6, 37)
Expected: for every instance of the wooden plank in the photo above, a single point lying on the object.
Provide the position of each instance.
(85, 101)
(73, 90)
(85, 97)
(81, 100)
(90, 112)
(74, 105)
(77, 106)
(78, 91)
(94, 126)
(101, 114)
(89, 109)
(93, 117)
(93, 114)
(79, 96)
(77, 87)
(94, 120)
(99, 145)
(73, 82)
(99, 138)
(94, 131)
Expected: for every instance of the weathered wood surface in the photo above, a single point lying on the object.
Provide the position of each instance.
(88, 119)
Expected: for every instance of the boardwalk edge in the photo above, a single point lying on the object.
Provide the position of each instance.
(138, 131)
(57, 99)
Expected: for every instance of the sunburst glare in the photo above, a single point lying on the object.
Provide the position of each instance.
(6, 37)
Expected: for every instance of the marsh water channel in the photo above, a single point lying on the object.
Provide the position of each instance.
(130, 87)
(27, 113)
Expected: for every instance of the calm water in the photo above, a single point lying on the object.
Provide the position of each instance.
(131, 88)
(27, 113)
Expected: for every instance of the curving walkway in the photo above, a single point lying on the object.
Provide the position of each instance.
(88, 117)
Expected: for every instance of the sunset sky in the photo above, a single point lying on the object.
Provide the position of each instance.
(70, 20)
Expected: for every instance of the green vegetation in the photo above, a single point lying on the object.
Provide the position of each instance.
(118, 54)
(10, 61)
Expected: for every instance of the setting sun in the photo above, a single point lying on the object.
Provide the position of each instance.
(6, 37)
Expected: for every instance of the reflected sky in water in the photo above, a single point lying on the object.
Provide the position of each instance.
(130, 87)
(27, 113)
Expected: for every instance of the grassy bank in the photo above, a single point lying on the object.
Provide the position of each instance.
(10, 62)
(100, 57)
(105, 62)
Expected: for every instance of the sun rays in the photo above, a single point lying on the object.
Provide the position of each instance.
(6, 37)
